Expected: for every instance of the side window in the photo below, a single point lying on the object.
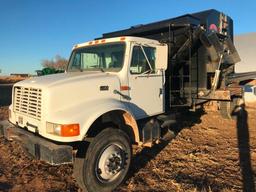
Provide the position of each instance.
(139, 62)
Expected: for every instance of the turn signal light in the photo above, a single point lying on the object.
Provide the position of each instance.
(70, 130)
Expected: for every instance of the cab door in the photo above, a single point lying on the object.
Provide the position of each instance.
(145, 82)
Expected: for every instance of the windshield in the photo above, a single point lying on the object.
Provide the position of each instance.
(104, 57)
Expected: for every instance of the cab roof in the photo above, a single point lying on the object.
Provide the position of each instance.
(117, 39)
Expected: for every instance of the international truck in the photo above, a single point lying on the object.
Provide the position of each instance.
(120, 90)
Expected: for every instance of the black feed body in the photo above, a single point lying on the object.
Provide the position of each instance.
(195, 45)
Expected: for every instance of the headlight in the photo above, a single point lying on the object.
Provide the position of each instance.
(67, 130)
(53, 128)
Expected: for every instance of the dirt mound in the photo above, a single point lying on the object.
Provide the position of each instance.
(10, 79)
(207, 154)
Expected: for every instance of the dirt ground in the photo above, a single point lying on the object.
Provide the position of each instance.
(207, 154)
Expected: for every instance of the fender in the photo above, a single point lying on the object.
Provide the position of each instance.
(105, 106)
(88, 112)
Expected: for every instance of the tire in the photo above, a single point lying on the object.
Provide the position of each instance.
(105, 163)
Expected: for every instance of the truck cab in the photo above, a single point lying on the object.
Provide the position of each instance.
(116, 74)
(139, 65)
(109, 86)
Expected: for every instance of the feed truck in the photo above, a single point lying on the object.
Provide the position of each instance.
(120, 90)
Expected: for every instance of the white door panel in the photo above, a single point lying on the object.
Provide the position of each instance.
(146, 95)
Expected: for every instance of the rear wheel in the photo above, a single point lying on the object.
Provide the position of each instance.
(105, 163)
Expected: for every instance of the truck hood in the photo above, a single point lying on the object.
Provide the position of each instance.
(65, 91)
(61, 78)
(63, 99)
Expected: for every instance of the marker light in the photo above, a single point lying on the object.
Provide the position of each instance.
(122, 38)
(124, 88)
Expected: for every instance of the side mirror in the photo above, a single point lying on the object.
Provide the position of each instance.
(161, 57)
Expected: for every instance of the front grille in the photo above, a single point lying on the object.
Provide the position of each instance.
(27, 101)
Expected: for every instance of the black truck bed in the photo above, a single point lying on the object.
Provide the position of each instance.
(195, 43)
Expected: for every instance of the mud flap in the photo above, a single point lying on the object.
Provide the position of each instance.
(151, 131)
(227, 108)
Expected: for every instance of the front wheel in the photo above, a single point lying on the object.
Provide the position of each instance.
(106, 162)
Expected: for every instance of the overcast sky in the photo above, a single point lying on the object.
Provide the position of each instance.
(32, 30)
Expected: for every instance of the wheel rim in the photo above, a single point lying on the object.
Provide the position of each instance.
(110, 163)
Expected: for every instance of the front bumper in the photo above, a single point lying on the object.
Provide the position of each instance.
(37, 146)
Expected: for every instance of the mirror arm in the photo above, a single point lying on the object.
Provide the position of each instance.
(146, 57)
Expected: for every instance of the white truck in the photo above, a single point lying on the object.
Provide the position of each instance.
(118, 91)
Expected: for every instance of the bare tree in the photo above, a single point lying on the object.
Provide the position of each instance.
(57, 62)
